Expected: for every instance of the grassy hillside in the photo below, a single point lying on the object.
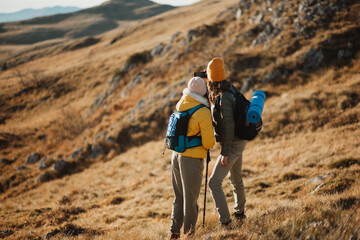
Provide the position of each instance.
(82, 124)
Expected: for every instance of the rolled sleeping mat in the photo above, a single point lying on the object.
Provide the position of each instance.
(256, 107)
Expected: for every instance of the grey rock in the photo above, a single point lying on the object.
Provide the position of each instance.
(252, 19)
(241, 3)
(344, 54)
(131, 117)
(245, 5)
(32, 158)
(317, 188)
(259, 18)
(265, 35)
(132, 84)
(111, 140)
(178, 57)
(43, 164)
(261, 39)
(319, 12)
(276, 32)
(100, 99)
(308, 17)
(44, 177)
(229, 13)
(96, 150)
(76, 153)
(128, 67)
(157, 50)
(247, 84)
(166, 49)
(21, 168)
(188, 49)
(101, 135)
(136, 79)
(318, 179)
(313, 59)
(113, 84)
(140, 105)
(5, 233)
(272, 76)
(279, 9)
(191, 36)
(174, 37)
(60, 166)
(248, 5)
(238, 14)
(268, 28)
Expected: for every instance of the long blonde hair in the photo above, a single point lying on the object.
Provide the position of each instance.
(216, 88)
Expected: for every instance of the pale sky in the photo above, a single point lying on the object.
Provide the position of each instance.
(7, 6)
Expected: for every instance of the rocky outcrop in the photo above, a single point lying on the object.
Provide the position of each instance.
(32, 158)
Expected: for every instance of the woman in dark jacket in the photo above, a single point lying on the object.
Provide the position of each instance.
(230, 158)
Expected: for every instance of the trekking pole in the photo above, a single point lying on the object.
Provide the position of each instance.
(206, 175)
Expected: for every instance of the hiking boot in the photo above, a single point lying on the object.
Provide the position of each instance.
(239, 216)
(226, 225)
(174, 236)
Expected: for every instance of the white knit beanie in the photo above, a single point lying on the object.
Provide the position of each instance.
(197, 85)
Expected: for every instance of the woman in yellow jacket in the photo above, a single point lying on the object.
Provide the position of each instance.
(187, 167)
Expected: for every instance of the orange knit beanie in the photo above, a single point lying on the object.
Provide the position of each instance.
(216, 70)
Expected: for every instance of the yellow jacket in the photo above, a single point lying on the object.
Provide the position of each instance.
(200, 121)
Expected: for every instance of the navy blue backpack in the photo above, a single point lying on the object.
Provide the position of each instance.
(176, 135)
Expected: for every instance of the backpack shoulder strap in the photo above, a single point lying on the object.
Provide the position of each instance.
(194, 109)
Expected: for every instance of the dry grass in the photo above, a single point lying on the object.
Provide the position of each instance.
(70, 125)
(131, 195)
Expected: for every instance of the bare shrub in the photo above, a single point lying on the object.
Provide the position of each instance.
(22, 78)
(139, 57)
(33, 79)
(117, 200)
(135, 60)
(290, 176)
(337, 186)
(344, 163)
(37, 78)
(70, 125)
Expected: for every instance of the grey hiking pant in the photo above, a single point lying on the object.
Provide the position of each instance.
(187, 175)
(235, 176)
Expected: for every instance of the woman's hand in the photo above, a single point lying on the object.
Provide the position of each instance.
(224, 162)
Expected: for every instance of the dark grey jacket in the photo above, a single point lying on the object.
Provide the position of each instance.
(224, 122)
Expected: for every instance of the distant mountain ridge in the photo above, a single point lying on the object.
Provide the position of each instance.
(86, 22)
(33, 13)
